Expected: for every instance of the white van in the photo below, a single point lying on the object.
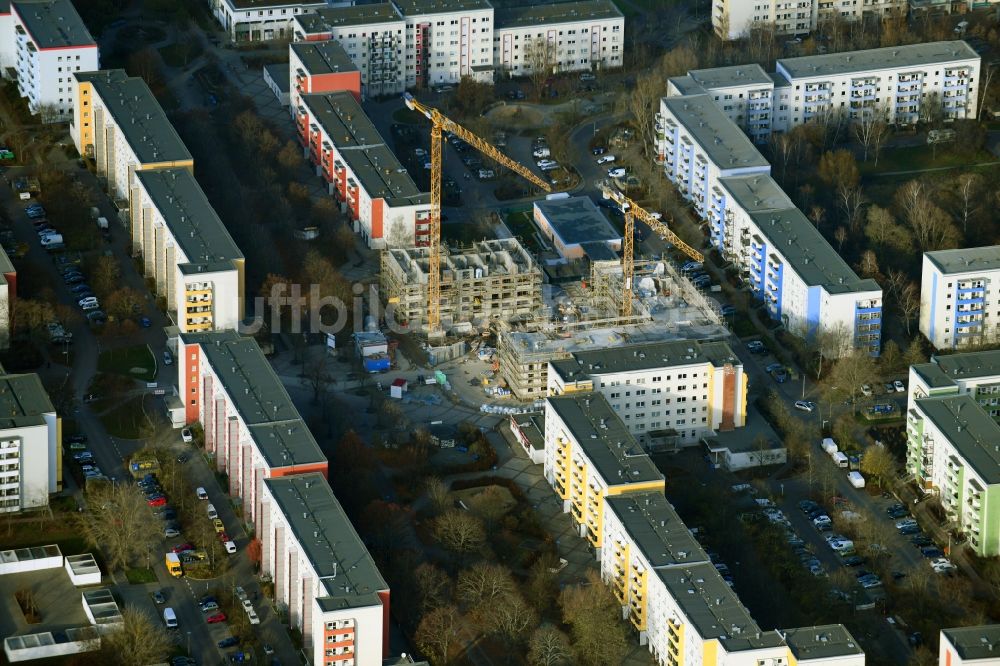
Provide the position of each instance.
(212, 513)
(170, 618)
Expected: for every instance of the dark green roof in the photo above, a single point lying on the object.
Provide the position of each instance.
(604, 439)
(53, 24)
(138, 115)
(259, 397)
(972, 643)
(969, 364)
(559, 12)
(192, 221)
(23, 401)
(324, 20)
(328, 540)
(823, 642)
(969, 429)
(419, 7)
(655, 528)
(324, 57)
(966, 259)
(649, 356)
(577, 220)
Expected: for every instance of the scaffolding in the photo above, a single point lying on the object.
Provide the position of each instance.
(493, 279)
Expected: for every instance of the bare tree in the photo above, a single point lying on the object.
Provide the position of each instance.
(851, 200)
(433, 586)
(968, 192)
(437, 494)
(548, 647)
(484, 583)
(119, 521)
(909, 304)
(644, 103)
(869, 264)
(594, 616)
(316, 375)
(459, 531)
(512, 617)
(851, 372)
(872, 130)
(436, 632)
(840, 235)
(139, 640)
(540, 56)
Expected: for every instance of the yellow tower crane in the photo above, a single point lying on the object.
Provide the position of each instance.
(439, 123)
(631, 209)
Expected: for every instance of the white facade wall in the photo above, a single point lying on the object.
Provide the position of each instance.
(579, 46)
(45, 75)
(686, 398)
(29, 465)
(900, 92)
(733, 19)
(945, 319)
(8, 44)
(448, 46)
(254, 24)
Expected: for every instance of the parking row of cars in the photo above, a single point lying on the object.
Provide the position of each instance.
(83, 457)
(80, 291)
(907, 526)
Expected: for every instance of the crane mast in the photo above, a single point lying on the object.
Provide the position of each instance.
(439, 123)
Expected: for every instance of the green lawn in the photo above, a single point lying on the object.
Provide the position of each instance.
(912, 158)
(140, 576)
(521, 224)
(136, 361)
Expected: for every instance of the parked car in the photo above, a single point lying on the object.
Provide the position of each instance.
(219, 527)
(229, 642)
(186, 436)
(215, 618)
(617, 172)
(606, 159)
(805, 405)
(168, 359)
(180, 548)
(201, 493)
(931, 552)
(921, 541)
(898, 385)
(780, 376)
(599, 150)
(170, 532)
(866, 390)
(157, 501)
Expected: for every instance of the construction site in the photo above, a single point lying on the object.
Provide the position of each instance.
(586, 316)
(494, 279)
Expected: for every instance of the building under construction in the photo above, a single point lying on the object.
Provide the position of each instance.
(494, 279)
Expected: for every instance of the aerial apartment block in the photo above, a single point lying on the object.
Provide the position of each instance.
(372, 36)
(384, 204)
(952, 451)
(589, 456)
(320, 67)
(30, 444)
(493, 280)
(118, 123)
(784, 260)
(732, 19)
(678, 390)
(973, 373)
(417, 43)
(187, 251)
(956, 290)
(8, 294)
(323, 576)
(581, 36)
(252, 429)
(43, 43)
(903, 84)
(680, 605)
(970, 646)
(255, 20)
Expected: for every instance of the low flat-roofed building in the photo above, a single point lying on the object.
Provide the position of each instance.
(952, 450)
(570, 222)
(647, 383)
(384, 204)
(118, 123)
(277, 78)
(257, 20)
(529, 430)
(30, 444)
(320, 67)
(323, 576)
(187, 251)
(970, 645)
(589, 455)
(252, 429)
